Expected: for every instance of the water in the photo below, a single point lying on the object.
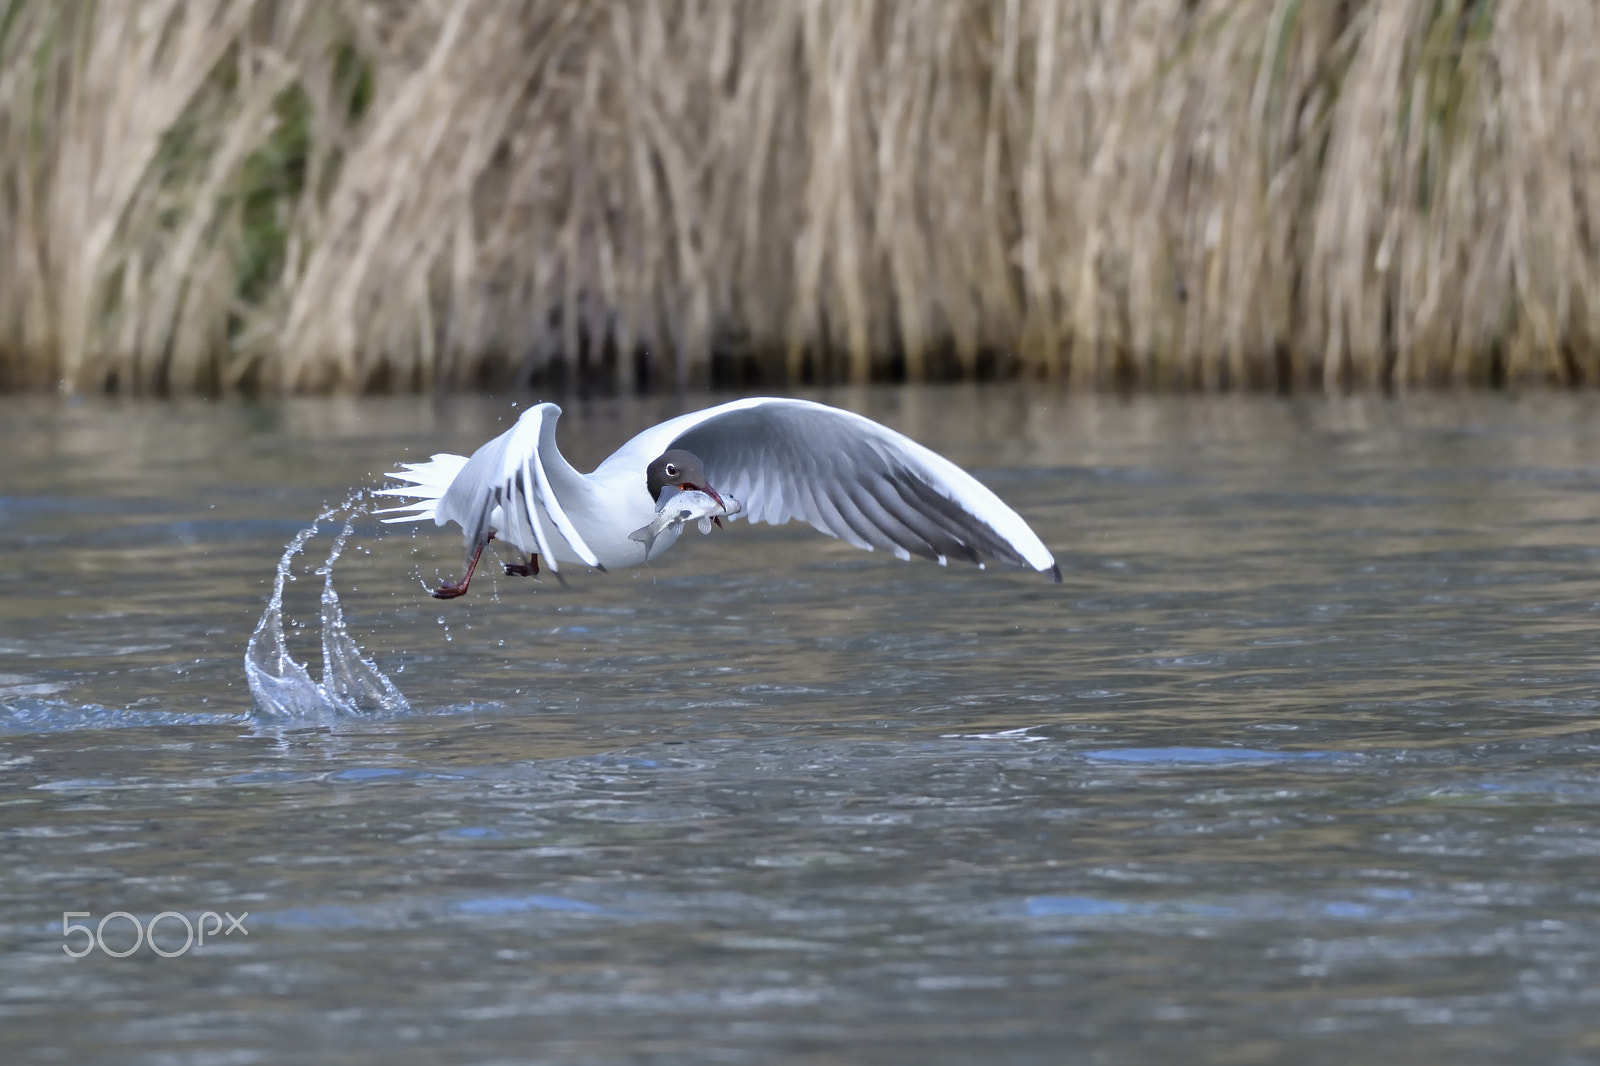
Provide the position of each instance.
(281, 687)
(1300, 764)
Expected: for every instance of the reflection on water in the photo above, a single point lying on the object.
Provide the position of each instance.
(1299, 765)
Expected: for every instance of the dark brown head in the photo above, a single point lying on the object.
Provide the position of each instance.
(680, 470)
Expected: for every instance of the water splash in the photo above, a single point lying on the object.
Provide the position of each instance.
(351, 685)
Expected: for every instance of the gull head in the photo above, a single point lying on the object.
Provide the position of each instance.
(678, 469)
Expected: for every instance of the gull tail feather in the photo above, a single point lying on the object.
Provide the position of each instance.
(426, 483)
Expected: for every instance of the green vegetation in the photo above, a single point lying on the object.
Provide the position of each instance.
(281, 195)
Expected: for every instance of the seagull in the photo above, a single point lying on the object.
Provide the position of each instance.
(768, 459)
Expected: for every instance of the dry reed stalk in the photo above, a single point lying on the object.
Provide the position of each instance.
(291, 195)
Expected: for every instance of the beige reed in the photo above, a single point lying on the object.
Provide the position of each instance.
(344, 195)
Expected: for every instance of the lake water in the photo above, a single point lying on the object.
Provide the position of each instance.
(1301, 763)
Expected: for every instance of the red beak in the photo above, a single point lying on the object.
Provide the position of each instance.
(709, 491)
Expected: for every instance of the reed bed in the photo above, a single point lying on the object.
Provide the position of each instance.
(350, 195)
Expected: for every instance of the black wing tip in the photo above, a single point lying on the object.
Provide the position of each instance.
(1055, 573)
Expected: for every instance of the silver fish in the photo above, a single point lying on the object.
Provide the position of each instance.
(685, 506)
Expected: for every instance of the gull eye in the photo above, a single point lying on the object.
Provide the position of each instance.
(671, 470)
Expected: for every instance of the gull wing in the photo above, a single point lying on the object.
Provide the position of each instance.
(509, 487)
(854, 479)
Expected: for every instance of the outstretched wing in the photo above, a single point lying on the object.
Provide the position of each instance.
(856, 480)
(505, 487)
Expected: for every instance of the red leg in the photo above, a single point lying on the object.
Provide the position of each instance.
(449, 591)
(527, 569)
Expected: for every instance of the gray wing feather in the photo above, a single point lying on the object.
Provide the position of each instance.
(851, 478)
